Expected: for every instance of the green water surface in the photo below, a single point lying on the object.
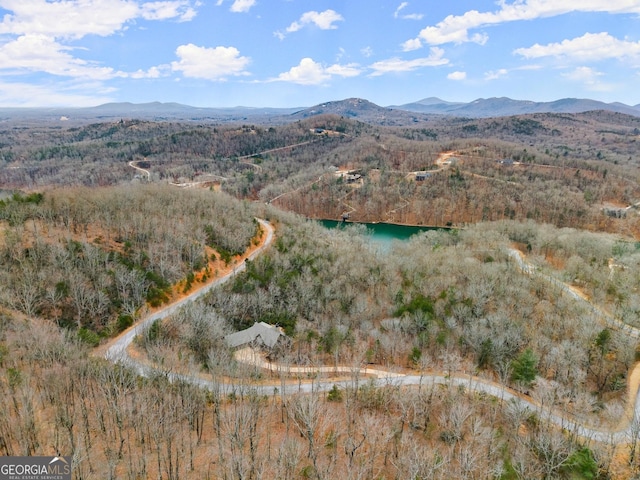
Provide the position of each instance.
(382, 234)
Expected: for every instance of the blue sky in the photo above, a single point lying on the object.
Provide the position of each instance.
(292, 53)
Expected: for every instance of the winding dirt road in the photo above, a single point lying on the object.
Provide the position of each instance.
(144, 171)
(116, 349)
(630, 431)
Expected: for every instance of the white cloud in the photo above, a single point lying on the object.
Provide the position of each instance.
(529, 67)
(583, 74)
(67, 19)
(181, 10)
(396, 65)
(457, 75)
(39, 53)
(589, 78)
(349, 70)
(410, 16)
(589, 47)
(154, 72)
(455, 28)
(402, 6)
(323, 20)
(242, 6)
(480, 38)
(239, 6)
(367, 52)
(412, 44)
(216, 63)
(35, 34)
(75, 19)
(496, 74)
(309, 72)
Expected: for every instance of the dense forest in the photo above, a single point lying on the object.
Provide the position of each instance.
(535, 291)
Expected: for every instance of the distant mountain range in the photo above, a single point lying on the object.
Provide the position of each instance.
(503, 106)
(178, 109)
(156, 111)
(353, 108)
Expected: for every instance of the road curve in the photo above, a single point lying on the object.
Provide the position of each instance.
(117, 352)
(134, 164)
(117, 348)
(602, 316)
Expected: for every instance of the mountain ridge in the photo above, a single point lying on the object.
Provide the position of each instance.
(357, 108)
(505, 106)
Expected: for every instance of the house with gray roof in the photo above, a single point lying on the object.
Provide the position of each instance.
(260, 335)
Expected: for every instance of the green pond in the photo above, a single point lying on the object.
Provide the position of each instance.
(381, 234)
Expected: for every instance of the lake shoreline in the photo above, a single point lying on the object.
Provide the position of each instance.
(409, 225)
(383, 234)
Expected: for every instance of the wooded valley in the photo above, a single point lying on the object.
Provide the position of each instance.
(533, 290)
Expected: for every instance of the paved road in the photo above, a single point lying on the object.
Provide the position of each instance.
(117, 352)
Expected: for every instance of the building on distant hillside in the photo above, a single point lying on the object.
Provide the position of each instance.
(260, 335)
(422, 176)
(353, 178)
(615, 212)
